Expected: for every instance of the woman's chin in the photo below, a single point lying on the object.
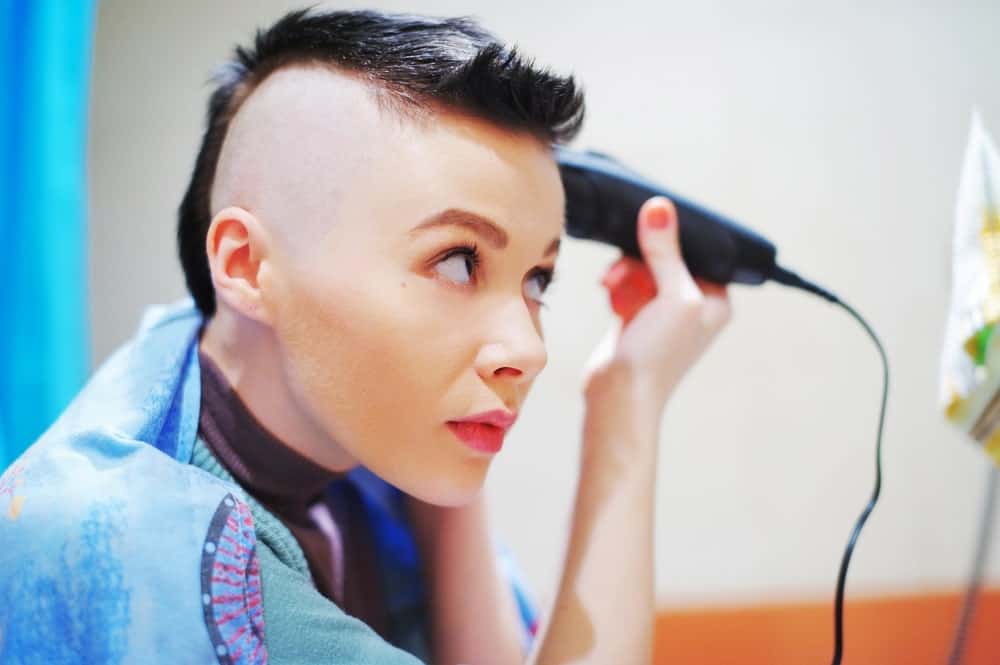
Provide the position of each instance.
(446, 491)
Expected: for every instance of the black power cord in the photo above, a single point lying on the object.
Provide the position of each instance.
(838, 610)
(791, 279)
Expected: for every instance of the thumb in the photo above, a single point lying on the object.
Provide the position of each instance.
(659, 241)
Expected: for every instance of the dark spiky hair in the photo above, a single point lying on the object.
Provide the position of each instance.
(414, 62)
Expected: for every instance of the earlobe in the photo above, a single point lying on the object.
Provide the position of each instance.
(236, 246)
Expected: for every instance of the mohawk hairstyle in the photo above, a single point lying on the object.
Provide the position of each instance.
(413, 62)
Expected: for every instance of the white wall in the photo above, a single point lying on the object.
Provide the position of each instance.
(837, 131)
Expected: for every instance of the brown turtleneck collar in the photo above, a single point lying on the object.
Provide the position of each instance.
(274, 473)
(329, 526)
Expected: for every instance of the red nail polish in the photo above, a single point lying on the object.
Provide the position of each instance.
(658, 219)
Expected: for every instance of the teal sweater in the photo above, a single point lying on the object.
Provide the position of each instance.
(302, 626)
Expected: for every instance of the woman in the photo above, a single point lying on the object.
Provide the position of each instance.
(290, 470)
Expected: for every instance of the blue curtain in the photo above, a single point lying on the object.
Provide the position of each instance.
(45, 55)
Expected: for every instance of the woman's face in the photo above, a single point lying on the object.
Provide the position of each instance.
(411, 294)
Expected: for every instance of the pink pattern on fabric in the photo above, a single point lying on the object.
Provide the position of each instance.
(230, 584)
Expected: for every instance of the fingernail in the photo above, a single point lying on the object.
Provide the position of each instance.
(658, 218)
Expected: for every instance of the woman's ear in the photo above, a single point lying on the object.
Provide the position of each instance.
(237, 244)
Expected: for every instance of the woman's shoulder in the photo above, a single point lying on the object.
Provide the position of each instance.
(107, 540)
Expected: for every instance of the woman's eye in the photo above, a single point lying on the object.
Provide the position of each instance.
(541, 279)
(460, 265)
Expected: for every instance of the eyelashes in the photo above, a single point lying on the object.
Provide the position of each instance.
(470, 252)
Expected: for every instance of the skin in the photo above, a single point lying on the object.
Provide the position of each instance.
(354, 340)
(351, 337)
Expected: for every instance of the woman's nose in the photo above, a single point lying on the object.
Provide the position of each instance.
(514, 347)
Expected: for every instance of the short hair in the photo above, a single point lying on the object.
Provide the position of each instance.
(414, 63)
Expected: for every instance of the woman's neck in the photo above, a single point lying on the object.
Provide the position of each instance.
(246, 353)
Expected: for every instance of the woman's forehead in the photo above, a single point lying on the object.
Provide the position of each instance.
(312, 144)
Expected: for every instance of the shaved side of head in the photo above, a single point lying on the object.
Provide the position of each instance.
(373, 71)
(271, 163)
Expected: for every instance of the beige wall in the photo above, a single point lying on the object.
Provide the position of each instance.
(836, 129)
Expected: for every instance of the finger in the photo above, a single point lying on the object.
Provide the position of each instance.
(659, 243)
(616, 271)
(716, 312)
(603, 352)
(716, 309)
(712, 288)
(626, 307)
(624, 303)
(628, 274)
(630, 286)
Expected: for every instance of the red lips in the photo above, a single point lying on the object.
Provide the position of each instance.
(484, 431)
(497, 418)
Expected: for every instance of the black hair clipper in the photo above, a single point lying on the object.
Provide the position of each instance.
(602, 203)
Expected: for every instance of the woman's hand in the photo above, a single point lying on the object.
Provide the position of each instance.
(668, 317)
(604, 607)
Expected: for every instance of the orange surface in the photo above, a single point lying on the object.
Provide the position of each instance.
(915, 630)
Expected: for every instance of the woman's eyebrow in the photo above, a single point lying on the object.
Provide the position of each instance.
(483, 227)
